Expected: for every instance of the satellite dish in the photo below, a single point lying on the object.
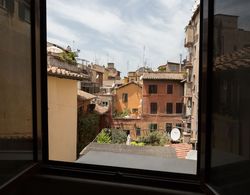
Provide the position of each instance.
(175, 134)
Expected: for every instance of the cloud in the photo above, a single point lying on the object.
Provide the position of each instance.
(120, 29)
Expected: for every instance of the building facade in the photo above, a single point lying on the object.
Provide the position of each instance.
(111, 73)
(191, 86)
(171, 67)
(162, 100)
(63, 79)
(95, 82)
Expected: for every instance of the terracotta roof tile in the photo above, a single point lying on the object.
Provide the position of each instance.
(63, 73)
(235, 60)
(83, 95)
(162, 76)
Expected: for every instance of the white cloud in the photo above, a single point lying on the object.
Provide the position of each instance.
(61, 31)
(121, 32)
(94, 17)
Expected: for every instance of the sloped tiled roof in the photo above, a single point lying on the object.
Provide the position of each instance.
(139, 85)
(109, 83)
(63, 73)
(182, 149)
(234, 60)
(162, 76)
(83, 95)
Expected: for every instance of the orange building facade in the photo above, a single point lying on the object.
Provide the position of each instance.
(128, 98)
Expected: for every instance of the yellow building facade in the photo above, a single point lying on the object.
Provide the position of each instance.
(128, 97)
(62, 118)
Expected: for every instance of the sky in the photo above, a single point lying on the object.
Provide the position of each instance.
(129, 33)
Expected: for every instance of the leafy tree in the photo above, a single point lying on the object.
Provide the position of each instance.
(88, 128)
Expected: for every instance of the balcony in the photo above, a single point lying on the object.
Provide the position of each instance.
(188, 65)
(189, 39)
(188, 90)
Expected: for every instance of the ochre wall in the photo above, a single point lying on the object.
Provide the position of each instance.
(134, 96)
(62, 118)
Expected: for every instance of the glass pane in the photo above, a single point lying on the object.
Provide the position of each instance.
(16, 94)
(231, 97)
(112, 68)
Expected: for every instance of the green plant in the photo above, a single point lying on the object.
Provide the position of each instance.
(68, 56)
(87, 129)
(154, 138)
(162, 68)
(103, 138)
(118, 136)
(122, 114)
(137, 143)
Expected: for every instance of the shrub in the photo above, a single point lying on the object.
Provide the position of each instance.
(154, 138)
(118, 136)
(122, 114)
(69, 57)
(103, 137)
(87, 128)
(137, 144)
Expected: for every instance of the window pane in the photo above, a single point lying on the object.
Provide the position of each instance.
(169, 89)
(178, 108)
(152, 89)
(169, 108)
(168, 127)
(108, 77)
(153, 108)
(16, 93)
(125, 97)
(230, 102)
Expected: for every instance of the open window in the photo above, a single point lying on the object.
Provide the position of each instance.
(155, 88)
(223, 158)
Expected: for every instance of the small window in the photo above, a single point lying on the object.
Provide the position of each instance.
(138, 131)
(169, 108)
(127, 132)
(124, 97)
(178, 108)
(153, 126)
(178, 125)
(152, 89)
(153, 108)
(134, 110)
(169, 89)
(168, 127)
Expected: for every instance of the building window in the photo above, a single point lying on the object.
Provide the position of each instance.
(169, 89)
(168, 127)
(24, 12)
(153, 108)
(178, 108)
(138, 131)
(178, 125)
(134, 110)
(152, 89)
(3, 4)
(153, 126)
(169, 109)
(124, 97)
